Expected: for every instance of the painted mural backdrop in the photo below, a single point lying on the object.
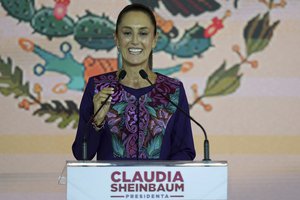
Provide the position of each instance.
(236, 59)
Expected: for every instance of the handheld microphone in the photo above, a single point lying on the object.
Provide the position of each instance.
(121, 76)
(144, 75)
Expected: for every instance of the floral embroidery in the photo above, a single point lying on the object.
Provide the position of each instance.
(138, 125)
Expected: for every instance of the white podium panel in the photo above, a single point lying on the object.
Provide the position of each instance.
(146, 180)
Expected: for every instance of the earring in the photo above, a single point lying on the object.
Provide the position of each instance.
(119, 56)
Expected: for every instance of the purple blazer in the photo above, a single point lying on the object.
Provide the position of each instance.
(140, 125)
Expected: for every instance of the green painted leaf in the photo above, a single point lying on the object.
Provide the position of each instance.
(265, 25)
(214, 77)
(265, 40)
(233, 87)
(258, 33)
(225, 83)
(250, 27)
(66, 114)
(233, 71)
(260, 45)
(11, 82)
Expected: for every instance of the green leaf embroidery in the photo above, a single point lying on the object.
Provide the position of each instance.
(154, 146)
(151, 110)
(120, 107)
(118, 147)
(175, 98)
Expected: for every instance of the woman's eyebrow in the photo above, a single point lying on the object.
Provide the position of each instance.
(130, 27)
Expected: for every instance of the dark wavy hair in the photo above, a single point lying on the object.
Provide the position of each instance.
(141, 8)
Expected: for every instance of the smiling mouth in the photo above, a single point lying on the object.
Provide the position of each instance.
(135, 51)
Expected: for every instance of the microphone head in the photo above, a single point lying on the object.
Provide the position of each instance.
(143, 74)
(122, 74)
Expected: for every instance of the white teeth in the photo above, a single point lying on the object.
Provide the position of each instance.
(135, 50)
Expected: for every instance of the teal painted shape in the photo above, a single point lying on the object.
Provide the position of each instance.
(169, 70)
(65, 65)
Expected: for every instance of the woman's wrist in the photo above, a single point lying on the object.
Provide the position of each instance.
(98, 127)
(98, 124)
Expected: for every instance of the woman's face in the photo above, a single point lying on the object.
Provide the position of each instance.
(135, 38)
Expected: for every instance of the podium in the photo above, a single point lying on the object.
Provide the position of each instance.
(126, 180)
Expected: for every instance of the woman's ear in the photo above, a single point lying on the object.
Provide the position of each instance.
(155, 40)
(116, 40)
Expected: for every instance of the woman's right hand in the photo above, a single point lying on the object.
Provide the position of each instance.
(98, 100)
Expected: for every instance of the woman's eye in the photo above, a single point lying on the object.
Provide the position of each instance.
(144, 33)
(126, 33)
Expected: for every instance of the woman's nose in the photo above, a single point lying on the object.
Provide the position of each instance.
(135, 39)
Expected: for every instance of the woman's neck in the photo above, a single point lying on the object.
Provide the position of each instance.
(133, 78)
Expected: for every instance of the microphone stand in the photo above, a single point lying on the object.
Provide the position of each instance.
(206, 158)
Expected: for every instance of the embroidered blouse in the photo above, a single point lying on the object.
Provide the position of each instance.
(140, 125)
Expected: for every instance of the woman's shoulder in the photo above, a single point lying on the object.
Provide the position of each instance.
(110, 76)
(163, 79)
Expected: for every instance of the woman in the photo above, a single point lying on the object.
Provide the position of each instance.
(137, 122)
